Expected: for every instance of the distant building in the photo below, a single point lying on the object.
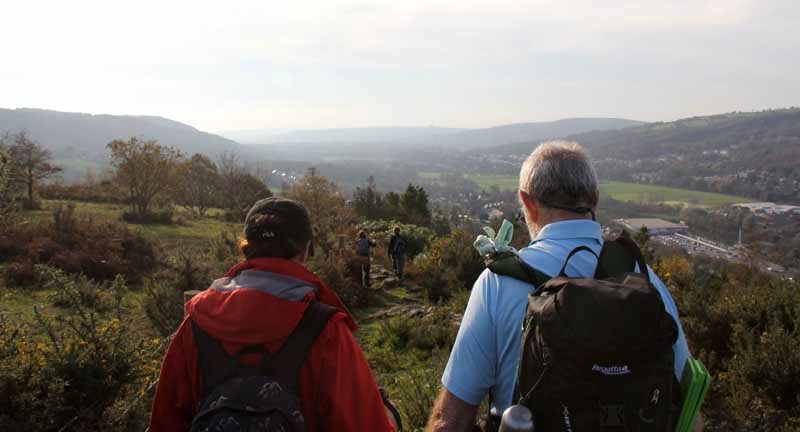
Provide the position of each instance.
(490, 214)
(655, 227)
(769, 208)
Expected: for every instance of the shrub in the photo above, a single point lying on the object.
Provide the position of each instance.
(163, 294)
(427, 334)
(163, 305)
(409, 355)
(99, 250)
(101, 192)
(451, 264)
(765, 374)
(20, 273)
(342, 273)
(70, 372)
(224, 251)
(414, 390)
(745, 326)
(417, 238)
(79, 292)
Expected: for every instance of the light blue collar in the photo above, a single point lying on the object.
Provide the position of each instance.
(570, 230)
(282, 286)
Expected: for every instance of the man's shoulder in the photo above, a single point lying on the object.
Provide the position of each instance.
(499, 291)
(544, 257)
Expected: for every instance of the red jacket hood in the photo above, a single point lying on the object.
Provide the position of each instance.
(238, 308)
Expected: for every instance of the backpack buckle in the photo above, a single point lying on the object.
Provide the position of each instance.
(612, 415)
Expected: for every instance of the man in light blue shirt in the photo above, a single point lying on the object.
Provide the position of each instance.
(559, 192)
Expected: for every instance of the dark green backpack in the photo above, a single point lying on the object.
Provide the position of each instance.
(596, 352)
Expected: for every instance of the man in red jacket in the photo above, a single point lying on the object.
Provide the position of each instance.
(260, 301)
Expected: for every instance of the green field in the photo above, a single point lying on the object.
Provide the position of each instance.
(186, 228)
(666, 195)
(649, 194)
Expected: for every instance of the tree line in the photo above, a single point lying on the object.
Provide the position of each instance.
(146, 175)
(411, 207)
(151, 178)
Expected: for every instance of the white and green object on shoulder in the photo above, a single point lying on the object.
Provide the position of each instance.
(694, 385)
(493, 243)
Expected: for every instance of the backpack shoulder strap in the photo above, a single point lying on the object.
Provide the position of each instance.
(289, 359)
(620, 256)
(216, 365)
(511, 265)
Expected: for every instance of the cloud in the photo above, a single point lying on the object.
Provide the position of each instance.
(239, 64)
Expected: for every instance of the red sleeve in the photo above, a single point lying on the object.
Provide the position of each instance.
(174, 403)
(347, 397)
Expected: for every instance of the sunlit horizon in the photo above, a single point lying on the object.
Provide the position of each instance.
(246, 66)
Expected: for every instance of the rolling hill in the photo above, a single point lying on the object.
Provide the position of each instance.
(79, 140)
(753, 154)
(526, 132)
(338, 135)
(444, 138)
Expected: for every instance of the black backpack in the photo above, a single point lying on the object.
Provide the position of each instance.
(399, 247)
(596, 352)
(263, 397)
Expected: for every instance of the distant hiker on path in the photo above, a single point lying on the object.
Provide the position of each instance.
(268, 346)
(363, 247)
(397, 252)
(558, 191)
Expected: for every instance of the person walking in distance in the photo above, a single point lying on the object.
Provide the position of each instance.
(397, 252)
(363, 246)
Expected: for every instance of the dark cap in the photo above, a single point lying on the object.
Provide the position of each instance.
(278, 220)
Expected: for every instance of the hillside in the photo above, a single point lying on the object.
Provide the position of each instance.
(426, 148)
(445, 138)
(78, 140)
(748, 154)
(526, 132)
(338, 135)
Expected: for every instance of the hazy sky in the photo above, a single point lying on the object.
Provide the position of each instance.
(222, 65)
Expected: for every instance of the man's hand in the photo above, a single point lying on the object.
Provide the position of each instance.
(698, 423)
(451, 414)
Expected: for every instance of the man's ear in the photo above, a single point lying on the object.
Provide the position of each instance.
(531, 207)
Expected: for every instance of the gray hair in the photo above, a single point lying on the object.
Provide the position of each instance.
(558, 175)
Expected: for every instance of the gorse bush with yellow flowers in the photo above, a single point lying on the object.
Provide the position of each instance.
(82, 370)
(450, 265)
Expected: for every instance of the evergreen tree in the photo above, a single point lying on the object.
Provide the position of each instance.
(368, 202)
(414, 204)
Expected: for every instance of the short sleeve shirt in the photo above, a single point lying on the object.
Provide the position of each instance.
(487, 349)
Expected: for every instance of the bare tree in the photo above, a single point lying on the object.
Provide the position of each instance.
(6, 186)
(32, 164)
(200, 184)
(326, 206)
(239, 188)
(146, 170)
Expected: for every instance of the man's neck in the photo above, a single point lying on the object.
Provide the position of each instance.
(539, 225)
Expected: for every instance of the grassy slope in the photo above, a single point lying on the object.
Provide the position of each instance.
(19, 304)
(633, 192)
(187, 228)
